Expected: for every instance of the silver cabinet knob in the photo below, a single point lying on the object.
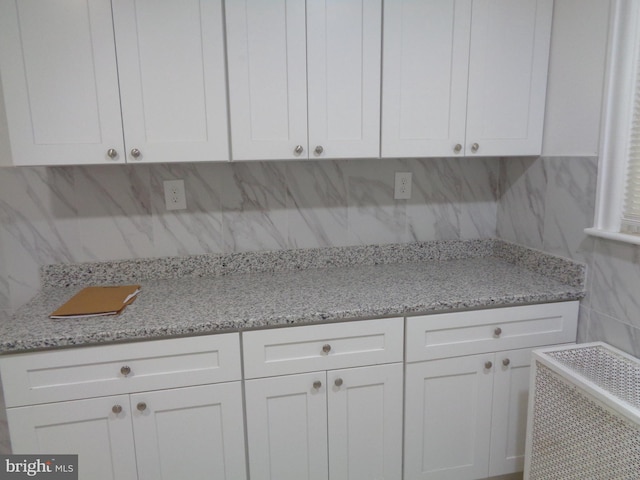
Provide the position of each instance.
(506, 362)
(125, 370)
(141, 406)
(317, 384)
(338, 382)
(497, 332)
(326, 348)
(112, 153)
(116, 409)
(319, 150)
(135, 153)
(475, 147)
(457, 148)
(298, 150)
(488, 365)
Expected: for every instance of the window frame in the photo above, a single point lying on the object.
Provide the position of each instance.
(624, 46)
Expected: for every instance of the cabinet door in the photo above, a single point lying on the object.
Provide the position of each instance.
(266, 54)
(287, 427)
(60, 81)
(425, 72)
(343, 47)
(102, 439)
(508, 76)
(193, 432)
(365, 423)
(172, 79)
(448, 418)
(509, 418)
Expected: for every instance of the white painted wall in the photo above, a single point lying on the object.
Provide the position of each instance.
(576, 77)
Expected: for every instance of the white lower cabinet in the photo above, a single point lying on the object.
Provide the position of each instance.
(340, 424)
(466, 414)
(466, 417)
(330, 423)
(175, 431)
(102, 439)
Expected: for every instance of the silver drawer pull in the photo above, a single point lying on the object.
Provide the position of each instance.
(141, 406)
(338, 382)
(317, 384)
(497, 332)
(116, 409)
(326, 348)
(125, 370)
(488, 365)
(506, 362)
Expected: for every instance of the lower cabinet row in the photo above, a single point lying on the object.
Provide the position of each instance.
(465, 419)
(443, 399)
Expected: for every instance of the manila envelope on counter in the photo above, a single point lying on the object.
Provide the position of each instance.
(98, 301)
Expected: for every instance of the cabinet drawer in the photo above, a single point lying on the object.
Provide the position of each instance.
(322, 347)
(85, 372)
(466, 333)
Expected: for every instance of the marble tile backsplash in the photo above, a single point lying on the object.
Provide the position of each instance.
(101, 213)
(546, 203)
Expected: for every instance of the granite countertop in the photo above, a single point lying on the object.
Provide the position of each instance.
(491, 273)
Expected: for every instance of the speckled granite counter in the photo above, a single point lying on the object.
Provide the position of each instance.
(185, 297)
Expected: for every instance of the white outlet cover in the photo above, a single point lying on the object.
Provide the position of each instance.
(174, 195)
(402, 190)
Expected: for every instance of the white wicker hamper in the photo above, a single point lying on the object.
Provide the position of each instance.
(584, 414)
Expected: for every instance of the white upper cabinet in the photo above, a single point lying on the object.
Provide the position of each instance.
(172, 79)
(465, 77)
(304, 80)
(60, 81)
(426, 65)
(65, 75)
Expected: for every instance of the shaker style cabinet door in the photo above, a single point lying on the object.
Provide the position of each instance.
(97, 430)
(172, 79)
(425, 73)
(365, 422)
(509, 418)
(266, 54)
(191, 433)
(60, 82)
(343, 64)
(508, 76)
(448, 418)
(287, 427)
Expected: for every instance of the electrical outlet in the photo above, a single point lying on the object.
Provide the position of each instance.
(402, 189)
(174, 195)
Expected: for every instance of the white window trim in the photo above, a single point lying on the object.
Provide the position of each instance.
(617, 112)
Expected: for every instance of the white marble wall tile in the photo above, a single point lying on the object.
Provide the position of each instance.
(453, 198)
(570, 205)
(616, 281)
(374, 216)
(114, 212)
(521, 210)
(604, 328)
(193, 231)
(317, 204)
(37, 225)
(254, 203)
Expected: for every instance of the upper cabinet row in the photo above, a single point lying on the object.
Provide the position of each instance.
(114, 81)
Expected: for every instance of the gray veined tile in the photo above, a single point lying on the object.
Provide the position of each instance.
(254, 206)
(317, 204)
(521, 210)
(603, 328)
(198, 229)
(114, 211)
(374, 216)
(570, 205)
